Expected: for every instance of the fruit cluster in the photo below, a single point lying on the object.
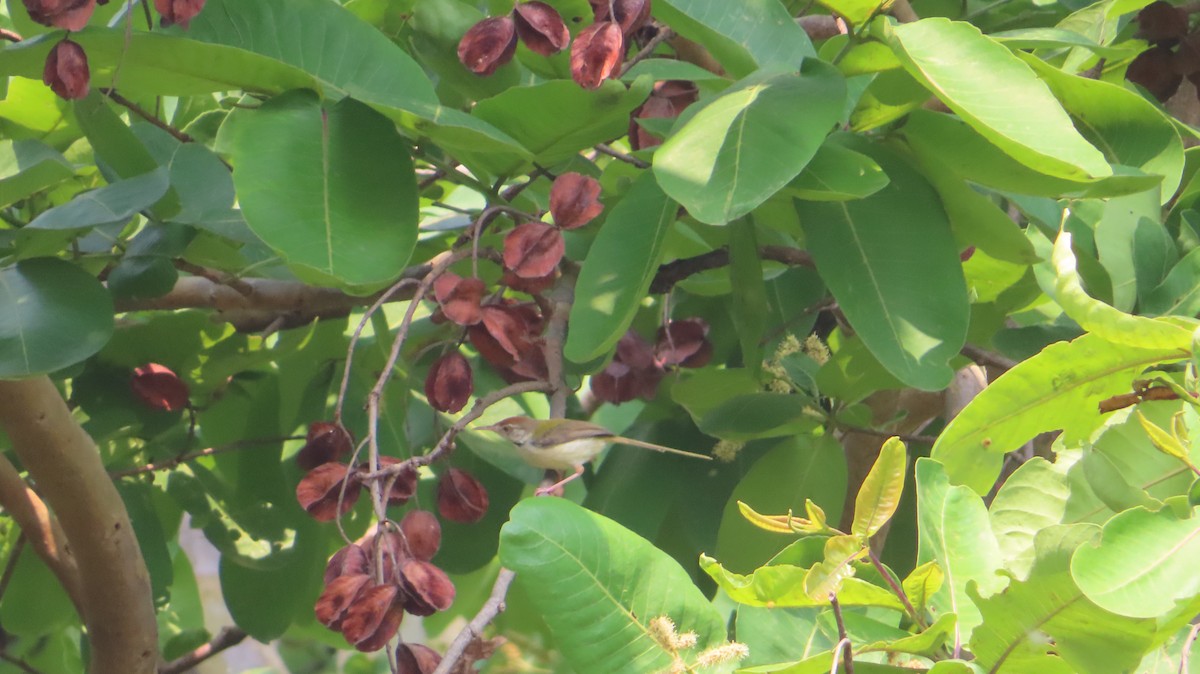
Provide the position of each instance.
(596, 54)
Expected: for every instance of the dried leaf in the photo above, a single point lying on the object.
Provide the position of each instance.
(533, 250)
(541, 28)
(158, 387)
(597, 54)
(575, 200)
(488, 45)
(449, 384)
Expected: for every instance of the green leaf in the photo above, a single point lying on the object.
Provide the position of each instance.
(761, 415)
(1130, 130)
(891, 94)
(1116, 224)
(928, 643)
(1105, 321)
(52, 314)
(699, 391)
(1049, 604)
(974, 157)
(1165, 442)
(557, 119)
(891, 261)
(796, 470)
(747, 144)
(618, 270)
(748, 301)
(857, 12)
(28, 167)
(880, 492)
(827, 577)
(111, 204)
(1056, 38)
(1179, 293)
(782, 585)
(838, 174)
(922, 584)
(1143, 564)
(1058, 388)
(598, 586)
(955, 533)
(761, 32)
(34, 602)
(331, 189)
(1033, 498)
(992, 90)
(263, 603)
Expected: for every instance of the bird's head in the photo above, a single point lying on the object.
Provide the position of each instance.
(517, 430)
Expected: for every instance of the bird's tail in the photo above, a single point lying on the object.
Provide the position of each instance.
(617, 440)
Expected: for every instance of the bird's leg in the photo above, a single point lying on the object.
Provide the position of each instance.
(557, 486)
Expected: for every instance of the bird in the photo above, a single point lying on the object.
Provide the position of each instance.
(565, 444)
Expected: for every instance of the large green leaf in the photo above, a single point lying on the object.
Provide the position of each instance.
(955, 533)
(891, 261)
(1033, 498)
(111, 204)
(52, 314)
(1105, 321)
(1048, 603)
(618, 270)
(761, 32)
(28, 167)
(598, 586)
(1179, 293)
(838, 174)
(747, 144)
(557, 119)
(331, 189)
(761, 415)
(1129, 129)
(1143, 564)
(997, 94)
(1058, 388)
(974, 157)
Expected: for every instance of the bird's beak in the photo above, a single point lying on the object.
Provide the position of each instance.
(493, 428)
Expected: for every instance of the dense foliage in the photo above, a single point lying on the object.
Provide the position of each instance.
(268, 266)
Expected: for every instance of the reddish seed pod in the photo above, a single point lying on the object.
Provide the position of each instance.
(326, 441)
(449, 384)
(575, 200)
(178, 11)
(680, 341)
(319, 491)
(1162, 22)
(422, 533)
(597, 54)
(630, 14)
(65, 14)
(488, 45)
(461, 498)
(405, 484)
(416, 659)
(1155, 70)
(66, 71)
(338, 595)
(541, 28)
(427, 589)
(159, 388)
(533, 250)
(351, 560)
(374, 617)
(459, 297)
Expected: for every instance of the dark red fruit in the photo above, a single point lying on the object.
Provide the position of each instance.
(459, 297)
(66, 72)
(326, 441)
(422, 533)
(416, 659)
(160, 388)
(320, 490)
(575, 200)
(533, 250)
(460, 497)
(541, 28)
(488, 45)
(338, 595)
(597, 54)
(449, 383)
(427, 589)
(178, 11)
(349, 561)
(374, 617)
(65, 14)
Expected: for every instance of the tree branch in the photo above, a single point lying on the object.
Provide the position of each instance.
(673, 272)
(228, 637)
(114, 587)
(209, 451)
(474, 629)
(40, 528)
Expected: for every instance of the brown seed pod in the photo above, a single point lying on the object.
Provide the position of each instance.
(65, 14)
(405, 484)
(449, 384)
(630, 14)
(422, 533)
(67, 74)
(319, 491)
(533, 250)
(488, 45)
(427, 589)
(337, 596)
(575, 200)
(1162, 22)
(541, 28)
(459, 297)
(155, 385)
(373, 618)
(681, 340)
(178, 11)
(596, 54)
(1155, 70)
(460, 497)
(351, 560)
(416, 659)
(326, 441)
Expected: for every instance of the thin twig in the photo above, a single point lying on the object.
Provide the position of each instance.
(140, 112)
(604, 148)
(843, 639)
(341, 398)
(474, 629)
(987, 358)
(906, 437)
(227, 637)
(897, 589)
(664, 34)
(10, 35)
(19, 663)
(1185, 654)
(673, 272)
(210, 451)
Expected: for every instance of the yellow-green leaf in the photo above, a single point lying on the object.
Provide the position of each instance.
(880, 492)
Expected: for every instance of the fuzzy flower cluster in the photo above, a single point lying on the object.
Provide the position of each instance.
(662, 629)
